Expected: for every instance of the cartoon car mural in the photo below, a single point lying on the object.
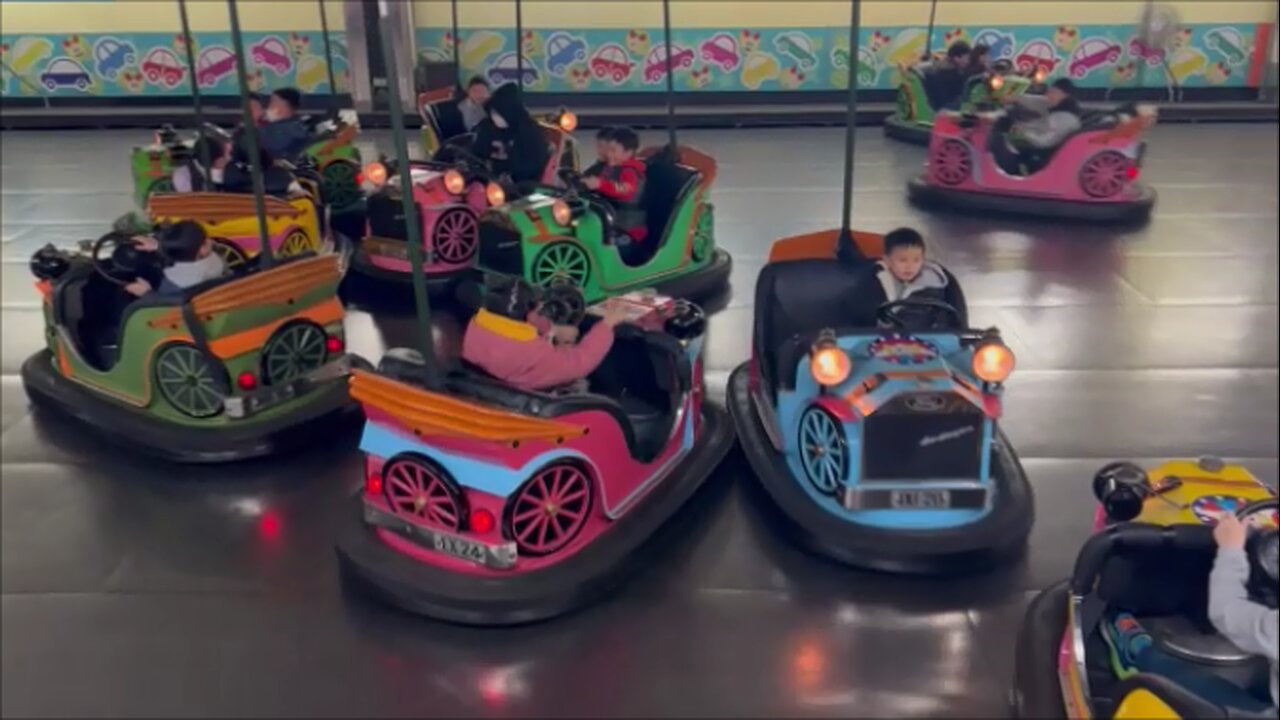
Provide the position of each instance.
(612, 61)
(310, 74)
(1139, 50)
(1187, 62)
(1092, 53)
(1037, 56)
(563, 50)
(214, 64)
(655, 65)
(27, 52)
(270, 52)
(479, 46)
(906, 47)
(111, 56)
(1228, 42)
(798, 47)
(999, 44)
(507, 69)
(758, 69)
(721, 50)
(868, 69)
(64, 72)
(161, 66)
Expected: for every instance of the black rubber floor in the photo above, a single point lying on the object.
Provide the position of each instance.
(132, 588)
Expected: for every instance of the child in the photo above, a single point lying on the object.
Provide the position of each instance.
(510, 140)
(284, 136)
(471, 106)
(191, 176)
(1252, 626)
(510, 341)
(190, 252)
(1057, 116)
(904, 272)
(622, 181)
(603, 136)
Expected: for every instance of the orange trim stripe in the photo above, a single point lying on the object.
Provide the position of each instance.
(327, 312)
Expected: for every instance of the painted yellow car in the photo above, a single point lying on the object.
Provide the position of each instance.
(231, 221)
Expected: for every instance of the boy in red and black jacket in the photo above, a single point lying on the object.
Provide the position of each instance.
(622, 181)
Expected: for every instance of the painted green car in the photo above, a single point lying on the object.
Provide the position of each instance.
(332, 151)
(798, 47)
(1228, 42)
(563, 237)
(866, 69)
(913, 115)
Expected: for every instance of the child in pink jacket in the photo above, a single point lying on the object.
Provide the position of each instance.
(509, 340)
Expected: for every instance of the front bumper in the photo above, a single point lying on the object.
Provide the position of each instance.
(258, 401)
(1135, 210)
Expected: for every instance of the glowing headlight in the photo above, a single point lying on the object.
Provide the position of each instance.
(375, 173)
(829, 365)
(494, 193)
(993, 361)
(560, 213)
(454, 182)
(567, 121)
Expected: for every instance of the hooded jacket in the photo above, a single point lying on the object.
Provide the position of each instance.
(931, 280)
(520, 149)
(522, 354)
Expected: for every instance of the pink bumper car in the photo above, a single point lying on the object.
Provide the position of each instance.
(1092, 175)
(487, 505)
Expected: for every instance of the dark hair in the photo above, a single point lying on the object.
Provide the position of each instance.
(978, 52)
(903, 237)
(208, 146)
(290, 96)
(605, 133)
(181, 241)
(476, 80)
(627, 138)
(958, 49)
(1065, 85)
(510, 297)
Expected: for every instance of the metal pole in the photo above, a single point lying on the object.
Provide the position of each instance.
(519, 53)
(846, 237)
(250, 136)
(328, 61)
(195, 86)
(928, 39)
(413, 229)
(671, 80)
(457, 41)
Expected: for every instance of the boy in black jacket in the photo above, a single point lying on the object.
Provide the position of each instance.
(510, 139)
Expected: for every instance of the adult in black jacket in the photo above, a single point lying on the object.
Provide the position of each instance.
(510, 140)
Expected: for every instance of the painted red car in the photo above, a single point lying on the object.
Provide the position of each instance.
(612, 61)
(1092, 53)
(1139, 50)
(655, 65)
(271, 52)
(162, 67)
(720, 49)
(1037, 56)
(215, 63)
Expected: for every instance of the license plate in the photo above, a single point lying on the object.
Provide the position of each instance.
(460, 548)
(384, 248)
(919, 499)
(271, 396)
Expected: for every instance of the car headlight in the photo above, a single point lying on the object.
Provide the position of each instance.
(828, 364)
(454, 182)
(494, 193)
(561, 213)
(567, 121)
(375, 173)
(993, 361)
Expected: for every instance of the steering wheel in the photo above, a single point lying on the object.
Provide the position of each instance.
(918, 314)
(687, 321)
(563, 304)
(121, 264)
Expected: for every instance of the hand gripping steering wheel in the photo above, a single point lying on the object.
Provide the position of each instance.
(563, 304)
(918, 314)
(123, 262)
(687, 321)
(1263, 547)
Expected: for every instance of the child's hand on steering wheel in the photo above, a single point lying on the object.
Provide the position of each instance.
(591, 183)
(145, 242)
(138, 287)
(564, 334)
(1230, 533)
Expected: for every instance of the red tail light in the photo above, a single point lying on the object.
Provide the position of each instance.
(481, 521)
(246, 381)
(373, 483)
(333, 344)
(1131, 172)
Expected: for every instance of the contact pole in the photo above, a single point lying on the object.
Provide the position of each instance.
(928, 39)
(671, 80)
(328, 61)
(519, 53)
(413, 229)
(250, 137)
(851, 124)
(453, 19)
(195, 86)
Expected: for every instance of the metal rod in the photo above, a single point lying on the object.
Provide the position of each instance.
(195, 84)
(328, 61)
(928, 39)
(519, 53)
(457, 41)
(250, 136)
(671, 80)
(851, 123)
(413, 228)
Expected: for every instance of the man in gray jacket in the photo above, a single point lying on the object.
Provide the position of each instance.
(1252, 626)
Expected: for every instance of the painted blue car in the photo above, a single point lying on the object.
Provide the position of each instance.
(563, 50)
(874, 425)
(111, 56)
(505, 70)
(65, 73)
(999, 44)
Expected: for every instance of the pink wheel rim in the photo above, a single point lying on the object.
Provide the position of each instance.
(551, 509)
(951, 163)
(455, 235)
(1104, 174)
(417, 491)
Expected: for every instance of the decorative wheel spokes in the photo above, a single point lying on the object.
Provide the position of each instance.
(455, 236)
(190, 382)
(338, 184)
(551, 509)
(416, 490)
(296, 350)
(295, 243)
(561, 263)
(232, 255)
(951, 162)
(823, 450)
(1104, 174)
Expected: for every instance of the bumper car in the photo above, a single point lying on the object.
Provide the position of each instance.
(237, 367)
(914, 112)
(1150, 556)
(1092, 175)
(873, 426)
(331, 156)
(443, 126)
(566, 237)
(487, 505)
